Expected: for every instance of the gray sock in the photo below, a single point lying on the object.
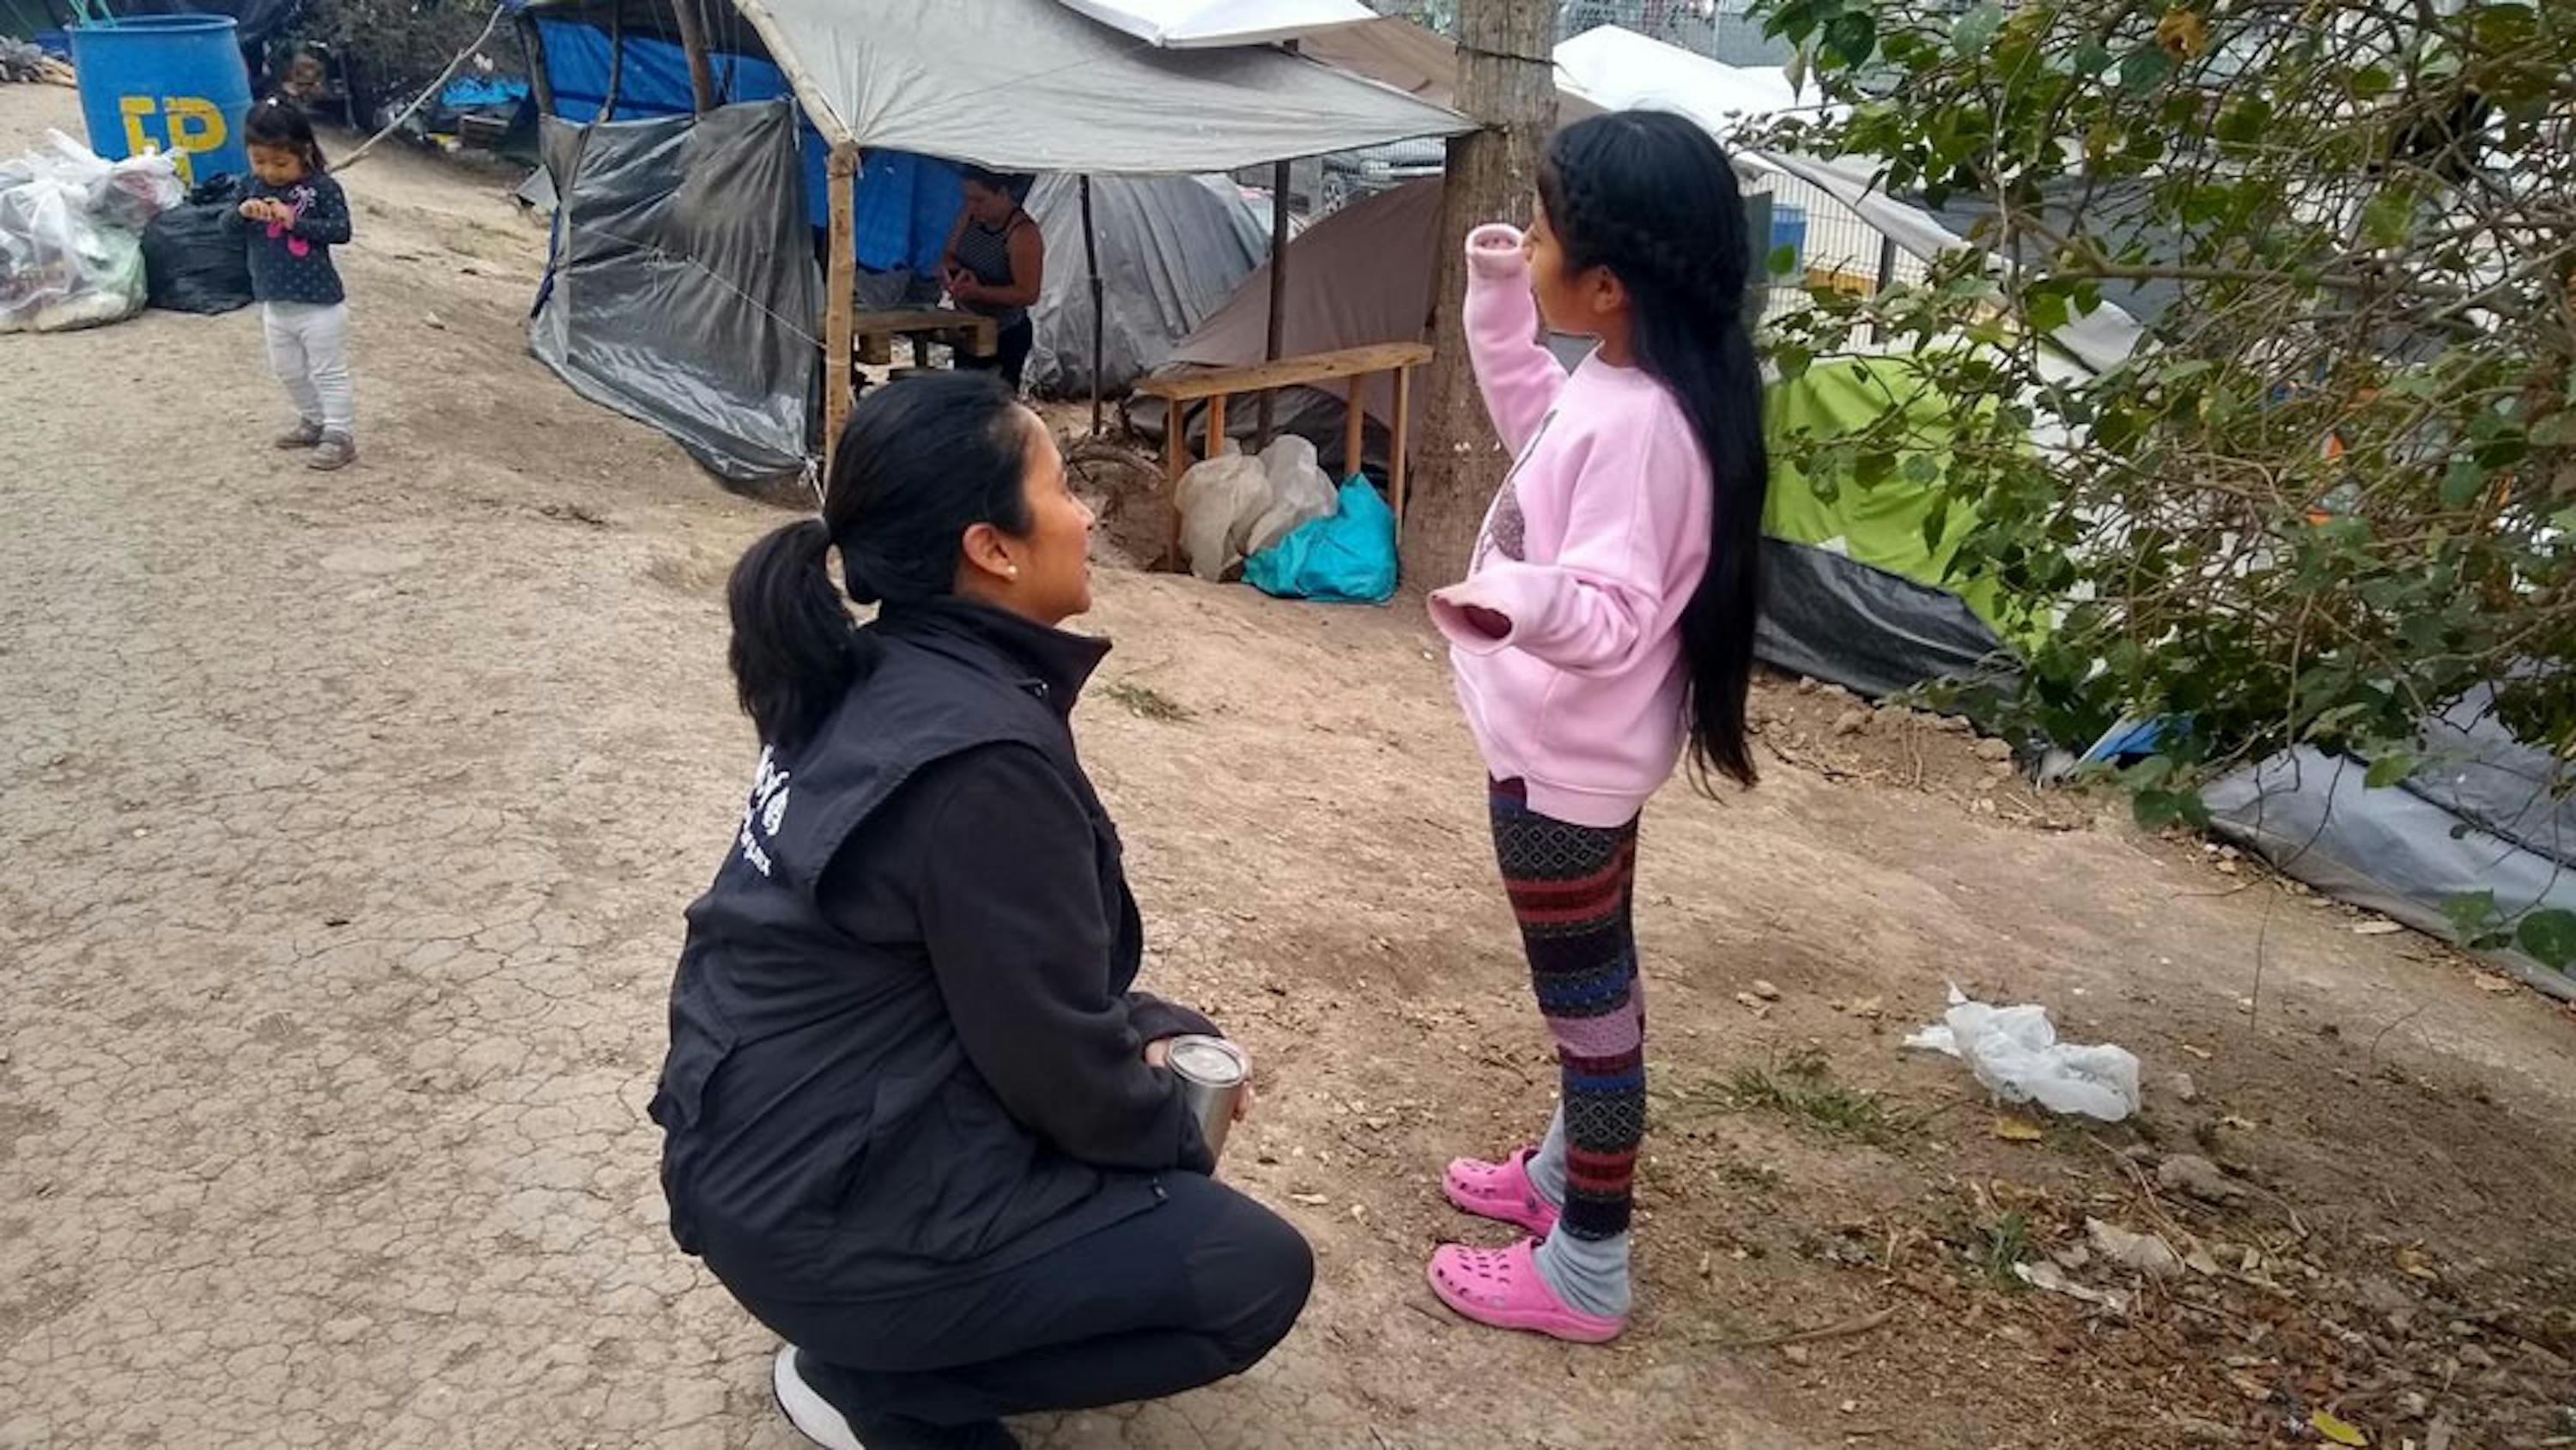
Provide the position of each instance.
(1588, 1274)
(1547, 1165)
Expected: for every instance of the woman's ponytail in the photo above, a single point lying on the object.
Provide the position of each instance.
(921, 461)
(793, 651)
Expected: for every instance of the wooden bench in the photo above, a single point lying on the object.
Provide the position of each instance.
(967, 332)
(1354, 364)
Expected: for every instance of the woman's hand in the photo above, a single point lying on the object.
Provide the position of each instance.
(1485, 621)
(1158, 1053)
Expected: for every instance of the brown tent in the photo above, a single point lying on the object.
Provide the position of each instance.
(1360, 276)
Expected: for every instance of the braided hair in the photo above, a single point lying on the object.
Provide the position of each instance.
(1650, 196)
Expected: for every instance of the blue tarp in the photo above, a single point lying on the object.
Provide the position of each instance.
(905, 203)
(469, 93)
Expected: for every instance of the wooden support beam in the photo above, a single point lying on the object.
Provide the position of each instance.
(693, 43)
(1279, 183)
(540, 84)
(1355, 430)
(1395, 463)
(616, 65)
(840, 298)
(1288, 372)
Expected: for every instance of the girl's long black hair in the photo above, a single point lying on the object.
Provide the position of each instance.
(1650, 196)
(280, 126)
(920, 462)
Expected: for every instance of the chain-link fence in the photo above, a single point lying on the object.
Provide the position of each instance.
(1828, 245)
(1723, 29)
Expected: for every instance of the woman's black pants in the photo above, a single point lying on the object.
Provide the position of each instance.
(1198, 1288)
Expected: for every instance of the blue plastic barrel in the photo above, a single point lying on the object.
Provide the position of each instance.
(165, 83)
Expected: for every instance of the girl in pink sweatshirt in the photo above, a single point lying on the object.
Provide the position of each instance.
(1607, 622)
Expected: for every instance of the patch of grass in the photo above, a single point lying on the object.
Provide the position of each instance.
(1147, 703)
(1755, 1177)
(1803, 1087)
(2003, 1243)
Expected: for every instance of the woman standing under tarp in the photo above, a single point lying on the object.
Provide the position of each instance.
(994, 265)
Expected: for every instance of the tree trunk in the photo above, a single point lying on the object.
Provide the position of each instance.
(1507, 81)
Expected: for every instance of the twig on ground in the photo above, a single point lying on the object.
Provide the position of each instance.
(1845, 1330)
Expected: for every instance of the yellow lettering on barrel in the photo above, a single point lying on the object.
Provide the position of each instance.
(196, 124)
(137, 110)
(139, 140)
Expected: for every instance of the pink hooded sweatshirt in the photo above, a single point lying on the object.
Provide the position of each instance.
(1590, 550)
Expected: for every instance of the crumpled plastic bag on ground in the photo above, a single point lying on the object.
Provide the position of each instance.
(1220, 500)
(1299, 493)
(1348, 558)
(2014, 1051)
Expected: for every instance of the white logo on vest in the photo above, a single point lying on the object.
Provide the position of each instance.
(762, 814)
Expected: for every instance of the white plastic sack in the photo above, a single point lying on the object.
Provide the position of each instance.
(1299, 492)
(135, 190)
(58, 268)
(1219, 501)
(2015, 1053)
(71, 234)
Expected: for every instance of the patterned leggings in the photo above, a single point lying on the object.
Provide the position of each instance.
(1572, 888)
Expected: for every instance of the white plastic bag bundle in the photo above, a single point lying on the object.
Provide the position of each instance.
(71, 224)
(2015, 1053)
(1219, 501)
(1299, 493)
(58, 269)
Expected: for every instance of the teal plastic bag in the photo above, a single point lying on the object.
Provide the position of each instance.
(1346, 559)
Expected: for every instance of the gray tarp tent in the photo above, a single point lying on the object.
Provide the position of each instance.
(1171, 248)
(1016, 85)
(2485, 813)
(683, 281)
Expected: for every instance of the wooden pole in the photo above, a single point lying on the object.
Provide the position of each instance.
(840, 298)
(1399, 445)
(540, 84)
(693, 43)
(1279, 184)
(1355, 430)
(616, 64)
(1099, 323)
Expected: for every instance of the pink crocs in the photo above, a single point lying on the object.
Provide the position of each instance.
(1502, 1287)
(1500, 1191)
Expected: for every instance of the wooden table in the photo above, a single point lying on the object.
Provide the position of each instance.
(969, 333)
(1355, 364)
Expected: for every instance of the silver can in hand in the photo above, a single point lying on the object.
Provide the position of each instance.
(1212, 1073)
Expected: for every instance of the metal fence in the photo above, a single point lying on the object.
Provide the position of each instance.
(1829, 245)
(1723, 29)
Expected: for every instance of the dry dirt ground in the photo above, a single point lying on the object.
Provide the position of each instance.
(348, 822)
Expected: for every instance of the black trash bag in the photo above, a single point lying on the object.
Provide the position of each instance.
(190, 263)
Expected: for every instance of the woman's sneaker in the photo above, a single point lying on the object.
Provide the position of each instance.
(815, 1418)
(811, 1414)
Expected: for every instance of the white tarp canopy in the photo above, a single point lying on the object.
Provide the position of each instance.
(1029, 85)
(1619, 69)
(1198, 24)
